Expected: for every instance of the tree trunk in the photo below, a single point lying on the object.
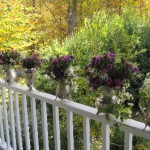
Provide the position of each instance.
(72, 15)
(33, 3)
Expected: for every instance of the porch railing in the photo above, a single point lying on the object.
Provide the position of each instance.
(11, 134)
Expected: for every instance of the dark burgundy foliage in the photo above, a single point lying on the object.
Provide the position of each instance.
(58, 66)
(9, 57)
(32, 62)
(103, 70)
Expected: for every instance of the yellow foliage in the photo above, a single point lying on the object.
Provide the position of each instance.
(16, 24)
(48, 20)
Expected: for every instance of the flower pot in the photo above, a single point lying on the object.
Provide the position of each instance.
(105, 102)
(30, 79)
(10, 74)
(63, 90)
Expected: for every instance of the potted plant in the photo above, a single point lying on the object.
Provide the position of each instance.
(61, 70)
(111, 76)
(8, 59)
(30, 64)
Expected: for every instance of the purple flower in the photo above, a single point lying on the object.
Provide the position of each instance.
(109, 82)
(118, 82)
(32, 62)
(109, 66)
(9, 57)
(99, 57)
(94, 82)
(1, 58)
(67, 57)
(59, 65)
(103, 70)
(131, 67)
(111, 56)
(135, 69)
(55, 60)
(128, 65)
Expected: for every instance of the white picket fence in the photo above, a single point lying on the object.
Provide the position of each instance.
(11, 129)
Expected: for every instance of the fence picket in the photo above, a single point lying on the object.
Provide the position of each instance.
(1, 127)
(44, 125)
(26, 123)
(86, 133)
(56, 127)
(12, 122)
(34, 124)
(18, 126)
(5, 117)
(128, 141)
(105, 136)
(70, 130)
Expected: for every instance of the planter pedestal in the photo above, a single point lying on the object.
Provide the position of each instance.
(30, 79)
(10, 74)
(63, 90)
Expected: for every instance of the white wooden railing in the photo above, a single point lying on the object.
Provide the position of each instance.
(11, 133)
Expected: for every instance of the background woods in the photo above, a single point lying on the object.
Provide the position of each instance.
(39, 22)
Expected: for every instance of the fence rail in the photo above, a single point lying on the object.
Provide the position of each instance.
(12, 132)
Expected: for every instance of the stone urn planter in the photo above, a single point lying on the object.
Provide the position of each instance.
(30, 78)
(106, 101)
(10, 74)
(63, 90)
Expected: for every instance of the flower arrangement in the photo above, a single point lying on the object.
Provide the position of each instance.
(104, 70)
(109, 74)
(32, 62)
(59, 68)
(9, 57)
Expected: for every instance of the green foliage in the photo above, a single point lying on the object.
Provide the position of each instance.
(145, 33)
(44, 83)
(144, 94)
(117, 140)
(101, 34)
(145, 89)
(116, 137)
(140, 143)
